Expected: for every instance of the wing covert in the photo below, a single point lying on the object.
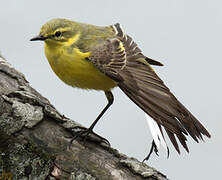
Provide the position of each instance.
(110, 58)
(121, 59)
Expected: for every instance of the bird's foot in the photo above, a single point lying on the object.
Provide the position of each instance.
(87, 133)
(153, 148)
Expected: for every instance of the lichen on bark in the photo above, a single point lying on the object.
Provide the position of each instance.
(35, 137)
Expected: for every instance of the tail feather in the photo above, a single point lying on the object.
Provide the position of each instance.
(157, 133)
(173, 140)
(147, 90)
(153, 131)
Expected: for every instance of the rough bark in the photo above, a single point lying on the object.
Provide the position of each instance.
(34, 139)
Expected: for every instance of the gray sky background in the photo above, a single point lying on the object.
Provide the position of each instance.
(185, 35)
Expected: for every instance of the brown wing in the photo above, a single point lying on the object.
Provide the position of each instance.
(110, 58)
(122, 60)
(131, 47)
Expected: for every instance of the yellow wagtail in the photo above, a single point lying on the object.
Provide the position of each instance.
(101, 58)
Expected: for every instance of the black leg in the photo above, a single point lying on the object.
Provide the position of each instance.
(153, 148)
(110, 99)
(86, 132)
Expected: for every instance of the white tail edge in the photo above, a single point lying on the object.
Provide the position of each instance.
(155, 132)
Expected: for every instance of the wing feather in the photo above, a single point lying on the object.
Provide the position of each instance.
(121, 59)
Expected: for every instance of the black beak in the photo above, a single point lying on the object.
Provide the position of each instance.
(38, 38)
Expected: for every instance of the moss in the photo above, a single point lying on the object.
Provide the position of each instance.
(25, 162)
(82, 176)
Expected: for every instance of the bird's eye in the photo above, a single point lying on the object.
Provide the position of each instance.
(58, 33)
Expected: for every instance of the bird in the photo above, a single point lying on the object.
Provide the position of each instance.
(104, 57)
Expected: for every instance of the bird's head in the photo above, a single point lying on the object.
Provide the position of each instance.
(58, 32)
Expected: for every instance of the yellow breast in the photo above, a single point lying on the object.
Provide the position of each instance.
(75, 70)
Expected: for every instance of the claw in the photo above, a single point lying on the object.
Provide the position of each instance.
(85, 133)
(153, 148)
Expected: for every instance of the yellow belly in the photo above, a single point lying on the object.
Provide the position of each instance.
(75, 71)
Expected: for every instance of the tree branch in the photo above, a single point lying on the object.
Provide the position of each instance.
(34, 139)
